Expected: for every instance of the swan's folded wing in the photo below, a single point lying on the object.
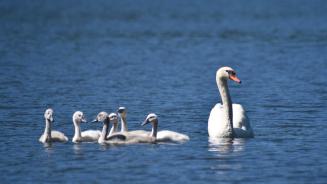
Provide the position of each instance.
(239, 116)
(170, 136)
(241, 121)
(91, 135)
(57, 136)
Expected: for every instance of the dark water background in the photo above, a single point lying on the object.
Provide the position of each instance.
(161, 56)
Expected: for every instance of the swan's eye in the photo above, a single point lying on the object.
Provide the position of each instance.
(230, 72)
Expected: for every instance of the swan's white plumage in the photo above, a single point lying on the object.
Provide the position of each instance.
(56, 136)
(228, 120)
(241, 124)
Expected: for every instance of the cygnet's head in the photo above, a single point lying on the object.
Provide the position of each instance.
(151, 118)
(227, 73)
(122, 111)
(79, 117)
(101, 117)
(113, 118)
(48, 115)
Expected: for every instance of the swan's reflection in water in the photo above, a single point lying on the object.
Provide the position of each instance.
(224, 150)
(225, 146)
(48, 148)
(104, 147)
(78, 149)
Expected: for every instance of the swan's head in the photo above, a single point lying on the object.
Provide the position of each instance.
(151, 118)
(122, 111)
(48, 115)
(101, 117)
(79, 117)
(227, 73)
(113, 118)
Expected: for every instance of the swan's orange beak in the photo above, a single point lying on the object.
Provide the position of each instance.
(234, 78)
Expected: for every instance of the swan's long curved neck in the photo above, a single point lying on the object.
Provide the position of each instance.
(227, 105)
(123, 124)
(77, 127)
(104, 131)
(113, 129)
(47, 129)
(154, 129)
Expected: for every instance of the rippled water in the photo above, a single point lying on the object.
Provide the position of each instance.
(161, 57)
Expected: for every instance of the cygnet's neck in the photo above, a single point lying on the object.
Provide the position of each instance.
(227, 105)
(104, 131)
(113, 129)
(154, 129)
(78, 134)
(47, 129)
(123, 124)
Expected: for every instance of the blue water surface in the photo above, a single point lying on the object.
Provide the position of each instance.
(161, 56)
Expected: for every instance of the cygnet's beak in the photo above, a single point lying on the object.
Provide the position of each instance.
(94, 121)
(51, 119)
(146, 121)
(84, 120)
(234, 78)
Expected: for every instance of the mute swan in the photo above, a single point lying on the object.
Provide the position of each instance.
(104, 138)
(228, 120)
(85, 136)
(164, 135)
(48, 135)
(122, 111)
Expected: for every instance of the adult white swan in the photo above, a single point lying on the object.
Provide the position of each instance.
(48, 135)
(164, 135)
(85, 136)
(228, 120)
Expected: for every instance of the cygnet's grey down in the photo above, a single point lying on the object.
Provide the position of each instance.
(164, 135)
(85, 136)
(51, 135)
(117, 137)
(104, 138)
(122, 111)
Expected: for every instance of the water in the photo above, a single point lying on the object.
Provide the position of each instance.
(161, 57)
